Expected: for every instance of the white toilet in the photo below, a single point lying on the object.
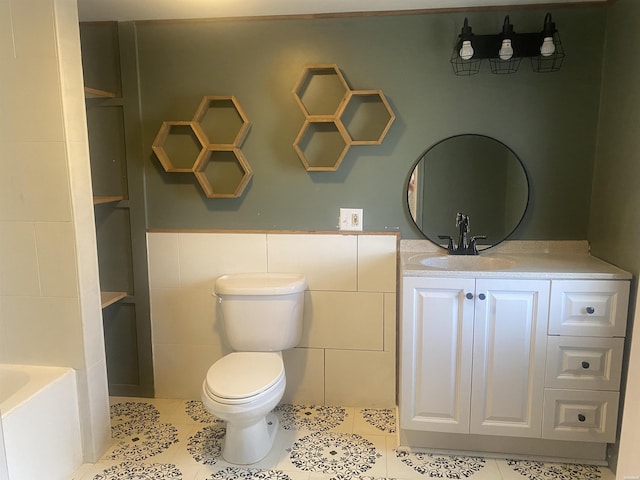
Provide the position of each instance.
(262, 315)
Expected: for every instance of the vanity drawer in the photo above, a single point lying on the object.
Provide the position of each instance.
(595, 308)
(589, 363)
(581, 415)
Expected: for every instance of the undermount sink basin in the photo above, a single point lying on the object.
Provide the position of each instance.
(464, 262)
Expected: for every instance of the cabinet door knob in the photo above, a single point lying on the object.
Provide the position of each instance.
(590, 310)
(482, 296)
(585, 365)
(581, 417)
(469, 295)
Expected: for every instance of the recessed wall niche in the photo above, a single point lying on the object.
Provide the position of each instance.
(208, 146)
(336, 117)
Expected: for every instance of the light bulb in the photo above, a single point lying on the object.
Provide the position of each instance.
(506, 50)
(466, 52)
(548, 48)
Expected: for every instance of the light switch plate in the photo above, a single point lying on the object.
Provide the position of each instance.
(350, 219)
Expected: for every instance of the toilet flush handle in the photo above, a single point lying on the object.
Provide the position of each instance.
(213, 294)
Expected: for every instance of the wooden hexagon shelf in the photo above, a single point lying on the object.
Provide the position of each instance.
(336, 117)
(177, 146)
(321, 90)
(223, 173)
(321, 145)
(366, 117)
(208, 147)
(220, 121)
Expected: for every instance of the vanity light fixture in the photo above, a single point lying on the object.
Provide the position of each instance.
(551, 52)
(506, 49)
(462, 59)
(506, 61)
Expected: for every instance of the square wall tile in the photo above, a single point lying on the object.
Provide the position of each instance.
(206, 256)
(19, 259)
(329, 262)
(390, 322)
(3, 351)
(179, 370)
(10, 180)
(35, 117)
(43, 330)
(304, 368)
(343, 320)
(377, 263)
(163, 259)
(57, 259)
(95, 421)
(360, 378)
(33, 26)
(186, 316)
(35, 184)
(67, 30)
(7, 50)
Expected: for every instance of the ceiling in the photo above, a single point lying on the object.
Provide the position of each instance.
(123, 10)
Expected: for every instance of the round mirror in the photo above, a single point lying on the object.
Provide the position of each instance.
(475, 175)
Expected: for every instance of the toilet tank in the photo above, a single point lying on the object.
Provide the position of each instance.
(261, 312)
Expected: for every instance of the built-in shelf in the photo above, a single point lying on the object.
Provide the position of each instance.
(95, 93)
(109, 298)
(107, 199)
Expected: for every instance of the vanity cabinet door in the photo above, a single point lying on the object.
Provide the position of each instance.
(435, 364)
(509, 357)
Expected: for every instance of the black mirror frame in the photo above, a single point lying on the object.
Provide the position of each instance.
(481, 248)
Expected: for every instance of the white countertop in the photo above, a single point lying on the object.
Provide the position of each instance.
(516, 259)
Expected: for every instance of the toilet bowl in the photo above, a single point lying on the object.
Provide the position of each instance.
(244, 401)
(262, 315)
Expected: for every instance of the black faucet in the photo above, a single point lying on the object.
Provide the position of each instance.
(465, 246)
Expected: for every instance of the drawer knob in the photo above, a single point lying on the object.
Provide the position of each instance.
(469, 296)
(590, 310)
(585, 365)
(581, 417)
(482, 296)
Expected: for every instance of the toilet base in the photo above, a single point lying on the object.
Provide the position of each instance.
(249, 443)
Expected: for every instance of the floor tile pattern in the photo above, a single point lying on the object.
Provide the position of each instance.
(535, 470)
(384, 419)
(441, 466)
(205, 446)
(345, 454)
(155, 439)
(310, 417)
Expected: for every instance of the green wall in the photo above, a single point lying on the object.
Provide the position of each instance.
(614, 229)
(549, 120)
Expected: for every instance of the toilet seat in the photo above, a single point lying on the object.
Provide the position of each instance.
(242, 376)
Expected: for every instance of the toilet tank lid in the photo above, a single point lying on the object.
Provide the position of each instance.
(267, 283)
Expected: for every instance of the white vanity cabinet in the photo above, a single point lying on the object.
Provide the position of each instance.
(539, 359)
(490, 330)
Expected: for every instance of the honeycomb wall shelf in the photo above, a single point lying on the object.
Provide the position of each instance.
(321, 90)
(178, 147)
(223, 173)
(321, 145)
(208, 146)
(336, 117)
(220, 121)
(366, 117)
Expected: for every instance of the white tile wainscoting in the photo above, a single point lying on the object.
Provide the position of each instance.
(347, 355)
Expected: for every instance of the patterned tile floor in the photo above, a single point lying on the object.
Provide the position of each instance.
(156, 439)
